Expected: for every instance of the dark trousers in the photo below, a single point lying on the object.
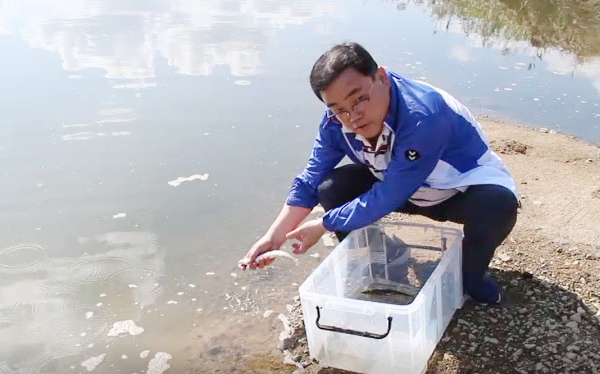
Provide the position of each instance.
(488, 213)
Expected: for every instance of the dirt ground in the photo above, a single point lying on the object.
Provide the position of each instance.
(549, 267)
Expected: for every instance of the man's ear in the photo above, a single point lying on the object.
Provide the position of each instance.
(381, 75)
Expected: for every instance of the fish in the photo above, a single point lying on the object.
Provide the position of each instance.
(271, 254)
(377, 288)
(275, 253)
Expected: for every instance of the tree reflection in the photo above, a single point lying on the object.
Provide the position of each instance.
(570, 26)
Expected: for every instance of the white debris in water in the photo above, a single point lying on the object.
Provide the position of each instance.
(99, 304)
(242, 82)
(193, 299)
(328, 241)
(192, 285)
(119, 215)
(180, 180)
(102, 295)
(144, 354)
(83, 334)
(179, 293)
(92, 363)
(124, 357)
(171, 302)
(210, 273)
(267, 313)
(133, 286)
(315, 255)
(89, 315)
(124, 327)
(233, 275)
(158, 364)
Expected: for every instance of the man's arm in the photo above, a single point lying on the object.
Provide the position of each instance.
(325, 155)
(302, 197)
(414, 158)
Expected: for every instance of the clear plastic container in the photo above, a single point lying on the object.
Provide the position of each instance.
(382, 299)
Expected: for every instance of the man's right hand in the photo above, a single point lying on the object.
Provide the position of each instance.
(288, 219)
(263, 245)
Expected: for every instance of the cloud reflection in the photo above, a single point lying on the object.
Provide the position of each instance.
(195, 37)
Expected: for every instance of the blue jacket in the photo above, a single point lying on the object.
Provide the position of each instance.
(454, 152)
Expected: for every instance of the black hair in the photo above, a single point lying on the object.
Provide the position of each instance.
(336, 60)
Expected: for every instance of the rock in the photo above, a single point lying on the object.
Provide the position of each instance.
(576, 317)
(573, 325)
(517, 354)
(539, 366)
(288, 360)
(491, 340)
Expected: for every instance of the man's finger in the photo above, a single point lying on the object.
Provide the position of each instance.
(294, 234)
(299, 248)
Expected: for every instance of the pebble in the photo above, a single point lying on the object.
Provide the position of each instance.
(539, 366)
(573, 325)
(576, 317)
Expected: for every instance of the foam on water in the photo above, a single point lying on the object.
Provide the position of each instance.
(125, 327)
(178, 181)
(328, 241)
(92, 363)
(158, 364)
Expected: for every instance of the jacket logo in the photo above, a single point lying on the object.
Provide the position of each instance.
(411, 154)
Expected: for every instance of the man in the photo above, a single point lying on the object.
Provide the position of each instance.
(415, 149)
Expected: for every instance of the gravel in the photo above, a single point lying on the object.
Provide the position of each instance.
(549, 324)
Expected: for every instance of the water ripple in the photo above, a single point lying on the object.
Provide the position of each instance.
(24, 255)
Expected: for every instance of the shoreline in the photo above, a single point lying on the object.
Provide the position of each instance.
(548, 266)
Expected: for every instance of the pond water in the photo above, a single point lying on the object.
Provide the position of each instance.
(146, 145)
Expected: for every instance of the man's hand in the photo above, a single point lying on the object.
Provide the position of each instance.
(308, 234)
(263, 245)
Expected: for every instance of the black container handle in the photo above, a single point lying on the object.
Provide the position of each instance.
(353, 332)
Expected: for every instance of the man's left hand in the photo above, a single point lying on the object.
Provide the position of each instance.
(308, 234)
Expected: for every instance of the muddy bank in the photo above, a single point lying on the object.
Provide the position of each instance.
(549, 267)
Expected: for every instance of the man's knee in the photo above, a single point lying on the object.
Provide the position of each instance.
(495, 207)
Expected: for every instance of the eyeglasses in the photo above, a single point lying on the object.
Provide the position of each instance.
(343, 114)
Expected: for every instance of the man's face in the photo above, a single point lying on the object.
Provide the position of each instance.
(360, 102)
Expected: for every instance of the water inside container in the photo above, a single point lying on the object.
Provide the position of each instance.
(397, 265)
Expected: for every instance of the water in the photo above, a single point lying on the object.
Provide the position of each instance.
(103, 103)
